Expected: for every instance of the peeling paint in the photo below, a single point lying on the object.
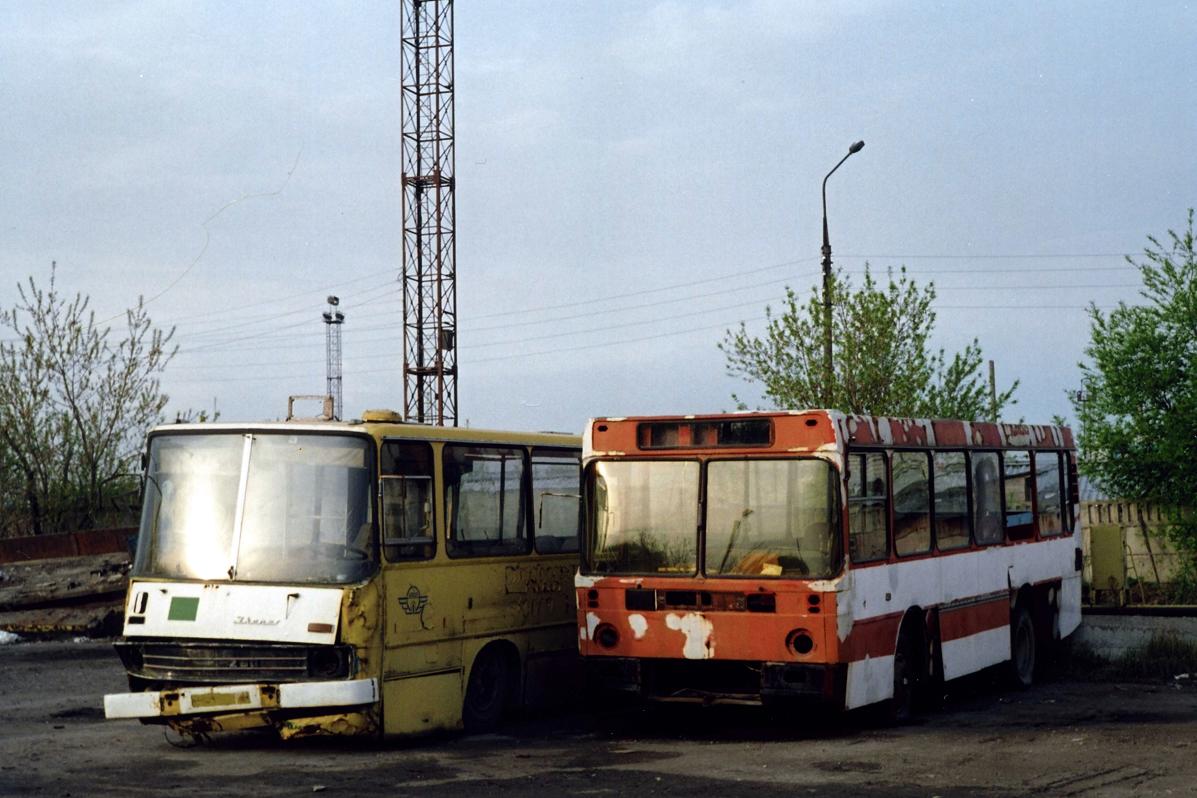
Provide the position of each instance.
(884, 433)
(592, 621)
(639, 625)
(584, 581)
(697, 630)
(341, 724)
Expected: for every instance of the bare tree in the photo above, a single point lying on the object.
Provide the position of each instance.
(74, 405)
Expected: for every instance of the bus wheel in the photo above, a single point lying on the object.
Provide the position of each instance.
(488, 692)
(1022, 648)
(906, 678)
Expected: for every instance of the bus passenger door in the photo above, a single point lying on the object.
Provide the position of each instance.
(422, 671)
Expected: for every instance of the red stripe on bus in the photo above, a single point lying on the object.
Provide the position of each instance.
(973, 619)
(874, 637)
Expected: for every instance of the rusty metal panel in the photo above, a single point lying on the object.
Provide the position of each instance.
(1107, 547)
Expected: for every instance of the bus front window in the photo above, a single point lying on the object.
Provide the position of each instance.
(771, 518)
(305, 512)
(643, 517)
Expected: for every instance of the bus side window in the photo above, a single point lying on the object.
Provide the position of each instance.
(951, 501)
(556, 499)
(1016, 490)
(912, 510)
(1048, 494)
(987, 498)
(868, 516)
(484, 501)
(406, 489)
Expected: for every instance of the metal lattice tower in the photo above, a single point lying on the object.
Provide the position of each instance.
(333, 319)
(429, 245)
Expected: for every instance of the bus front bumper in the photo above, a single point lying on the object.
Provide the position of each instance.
(240, 698)
(716, 682)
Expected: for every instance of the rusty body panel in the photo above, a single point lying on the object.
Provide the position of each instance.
(749, 617)
(382, 643)
(713, 638)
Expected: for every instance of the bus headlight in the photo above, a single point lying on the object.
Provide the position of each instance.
(606, 635)
(800, 642)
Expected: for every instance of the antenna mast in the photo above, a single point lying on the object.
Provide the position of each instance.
(333, 319)
(429, 245)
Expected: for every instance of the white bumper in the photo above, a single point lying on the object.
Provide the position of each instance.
(240, 698)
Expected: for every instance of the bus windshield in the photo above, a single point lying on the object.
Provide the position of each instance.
(644, 516)
(771, 518)
(261, 507)
(768, 518)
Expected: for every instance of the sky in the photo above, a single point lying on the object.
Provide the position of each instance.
(633, 179)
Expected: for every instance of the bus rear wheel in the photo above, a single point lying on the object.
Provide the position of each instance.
(907, 681)
(488, 692)
(1022, 648)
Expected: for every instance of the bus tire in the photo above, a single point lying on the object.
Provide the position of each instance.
(488, 693)
(1023, 648)
(907, 681)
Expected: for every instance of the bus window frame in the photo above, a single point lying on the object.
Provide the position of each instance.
(1071, 502)
(836, 516)
(1060, 487)
(584, 564)
(556, 452)
(930, 550)
(889, 553)
(972, 499)
(463, 550)
(1032, 528)
(970, 540)
(431, 542)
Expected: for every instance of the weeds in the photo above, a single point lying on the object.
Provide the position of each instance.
(1165, 656)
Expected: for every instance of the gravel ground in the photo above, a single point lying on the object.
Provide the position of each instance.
(1065, 737)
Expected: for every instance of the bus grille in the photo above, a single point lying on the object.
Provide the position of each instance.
(208, 663)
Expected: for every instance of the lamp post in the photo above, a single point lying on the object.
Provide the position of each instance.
(828, 372)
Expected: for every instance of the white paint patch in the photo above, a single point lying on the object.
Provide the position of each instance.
(975, 573)
(639, 625)
(583, 581)
(869, 680)
(273, 613)
(972, 653)
(697, 630)
(8, 637)
(592, 621)
(1070, 605)
(929, 428)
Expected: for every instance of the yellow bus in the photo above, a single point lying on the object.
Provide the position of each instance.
(368, 577)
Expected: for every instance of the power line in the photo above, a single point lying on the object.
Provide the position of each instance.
(1002, 256)
(260, 337)
(580, 347)
(317, 291)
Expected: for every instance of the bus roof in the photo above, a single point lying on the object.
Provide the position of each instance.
(811, 430)
(379, 430)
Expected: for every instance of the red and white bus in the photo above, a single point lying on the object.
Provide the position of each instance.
(757, 557)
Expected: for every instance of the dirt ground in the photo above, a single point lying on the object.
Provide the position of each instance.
(1064, 737)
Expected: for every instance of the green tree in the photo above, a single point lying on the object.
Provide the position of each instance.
(1138, 404)
(74, 405)
(883, 361)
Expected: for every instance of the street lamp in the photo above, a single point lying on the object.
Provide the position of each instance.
(827, 366)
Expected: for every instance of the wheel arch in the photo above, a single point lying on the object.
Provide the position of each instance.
(510, 652)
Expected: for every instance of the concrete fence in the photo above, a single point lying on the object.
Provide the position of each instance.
(1112, 633)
